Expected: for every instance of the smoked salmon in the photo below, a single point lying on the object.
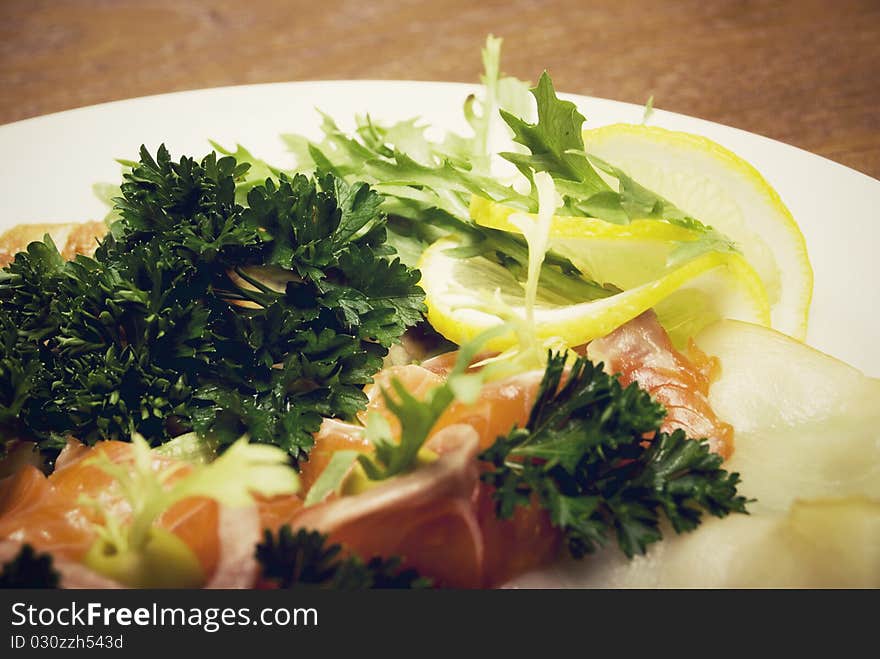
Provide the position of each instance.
(641, 351)
(50, 513)
(439, 518)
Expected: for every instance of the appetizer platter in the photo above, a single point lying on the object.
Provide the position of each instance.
(400, 347)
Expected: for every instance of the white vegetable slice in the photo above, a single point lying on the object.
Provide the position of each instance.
(807, 425)
(807, 447)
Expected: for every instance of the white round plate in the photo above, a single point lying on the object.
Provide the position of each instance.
(49, 164)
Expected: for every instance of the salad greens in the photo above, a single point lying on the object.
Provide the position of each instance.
(427, 184)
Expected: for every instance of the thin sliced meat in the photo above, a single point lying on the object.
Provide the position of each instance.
(49, 513)
(83, 239)
(32, 511)
(501, 405)
(238, 532)
(514, 546)
(641, 351)
(428, 516)
(277, 511)
(73, 452)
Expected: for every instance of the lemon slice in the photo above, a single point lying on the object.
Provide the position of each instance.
(491, 214)
(716, 285)
(720, 189)
(626, 255)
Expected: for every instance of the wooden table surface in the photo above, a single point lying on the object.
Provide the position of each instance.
(805, 72)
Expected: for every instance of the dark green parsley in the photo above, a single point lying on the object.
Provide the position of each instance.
(582, 456)
(29, 570)
(176, 324)
(303, 559)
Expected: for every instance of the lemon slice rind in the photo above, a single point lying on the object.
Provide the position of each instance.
(493, 215)
(720, 189)
(456, 290)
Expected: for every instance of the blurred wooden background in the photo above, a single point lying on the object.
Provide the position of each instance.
(806, 72)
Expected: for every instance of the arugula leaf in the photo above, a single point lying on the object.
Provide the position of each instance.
(638, 202)
(304, 559)
(170, 328)
(432, 200)
(427, 185)
(556, 146)
(29, 570)
(550, 141)
(582, 456)
(500, 93)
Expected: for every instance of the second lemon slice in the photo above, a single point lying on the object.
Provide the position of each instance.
(720, 189)
(460, 292)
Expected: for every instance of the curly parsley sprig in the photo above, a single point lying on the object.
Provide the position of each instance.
(583, 457)
(304, 559)
(170, 327)
(29, 569)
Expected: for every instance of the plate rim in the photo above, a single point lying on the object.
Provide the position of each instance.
(578, 99)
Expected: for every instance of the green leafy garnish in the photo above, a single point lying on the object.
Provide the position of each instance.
(17, 376)
(199, 313)
(550, 142)
(556, 146)
(424, 179)
(649, 110)
(637, 202)
(243, 470)
(582, 457)
(29, 570)
(418, 417)
(428, 184)
(303, 559)
(332, 476)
